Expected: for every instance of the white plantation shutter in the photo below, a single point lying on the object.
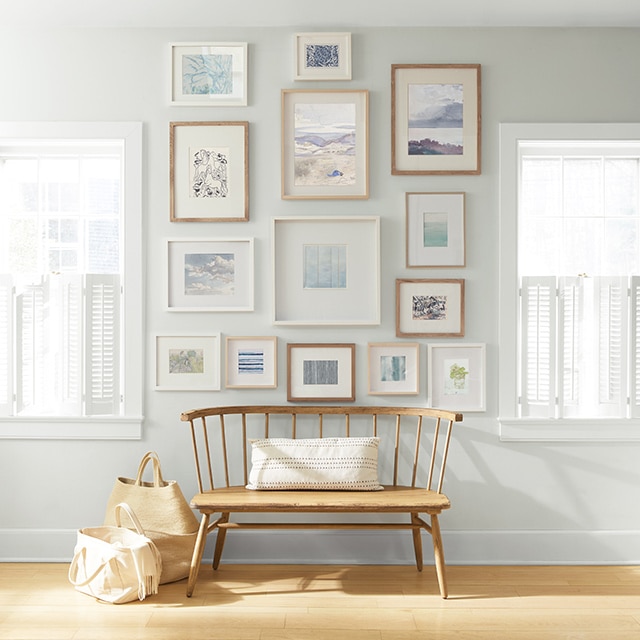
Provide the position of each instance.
(103, 344)
(587, 351)
(611, 298)
(6, 345)
(635, 347)
(31, 347)
(68, 330)
(538, 346)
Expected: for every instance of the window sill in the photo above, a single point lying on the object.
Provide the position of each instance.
(551, 430)
(71, 428)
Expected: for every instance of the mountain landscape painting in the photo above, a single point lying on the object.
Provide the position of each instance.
(325, 144)
(435, 119)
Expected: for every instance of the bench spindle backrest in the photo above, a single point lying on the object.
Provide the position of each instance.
(224, 457)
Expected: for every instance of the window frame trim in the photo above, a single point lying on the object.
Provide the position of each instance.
(511, 426)
(128, 425)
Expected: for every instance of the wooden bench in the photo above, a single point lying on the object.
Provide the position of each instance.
(414, 444)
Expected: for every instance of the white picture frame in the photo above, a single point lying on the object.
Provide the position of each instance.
(456, 377)
(210, 275)
(251, 362)
(394, 368)
(338, 286)
(187, 363)
(210, 74)
(322, 56)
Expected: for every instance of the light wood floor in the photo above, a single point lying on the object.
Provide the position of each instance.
(306, 602)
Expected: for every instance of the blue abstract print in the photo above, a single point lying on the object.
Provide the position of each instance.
(322, 56)
(250, 361)
(207, 74)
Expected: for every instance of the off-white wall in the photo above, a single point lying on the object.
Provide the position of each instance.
(512, 502)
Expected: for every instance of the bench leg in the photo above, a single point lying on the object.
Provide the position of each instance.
(198, 550)
(220, 537)
(417, 541)
(438, 551)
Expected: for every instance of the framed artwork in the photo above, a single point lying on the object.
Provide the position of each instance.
(188, 363)
(252, 362)
(326, 270)
(325, 144)
(435, 229)
(209, 171)
(322, 56)
(435, 119)
(212, 74)
(456, 378)
(321, 372)
(210, 275)
(430, 308)
(394, 368)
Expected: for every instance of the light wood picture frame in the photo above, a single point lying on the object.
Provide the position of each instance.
(435, 119)
(251, 362)
(211, 74)
(326, 270)
(321, 372)
(322, 56)
(210, 275)
(209, 171)
(430, 308)
(456, 378)
(394, 368)
(435, 230)
(325, 144)
(187, 363)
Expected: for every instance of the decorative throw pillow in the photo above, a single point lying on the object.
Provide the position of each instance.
(332, 464)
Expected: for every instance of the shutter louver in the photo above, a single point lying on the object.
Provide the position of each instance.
(102, 345)
(538, 346)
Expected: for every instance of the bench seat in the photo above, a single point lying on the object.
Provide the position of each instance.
(393, 499)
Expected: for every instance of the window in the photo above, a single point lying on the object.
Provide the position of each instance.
(570, 285)
(70, 280)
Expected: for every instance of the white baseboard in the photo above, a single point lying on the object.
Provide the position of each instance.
(369, 547)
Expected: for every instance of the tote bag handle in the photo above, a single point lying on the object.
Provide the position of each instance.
(158, 480)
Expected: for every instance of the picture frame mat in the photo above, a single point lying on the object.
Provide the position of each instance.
(466, 75)
(185, 139)
(359, 188)
(449, 205)
(452, 322)
(267, 377)
(410, 351)
(239, 65)
(168, 377)
(343, 390)
(180, 251)
(441, 392)
(356, 304)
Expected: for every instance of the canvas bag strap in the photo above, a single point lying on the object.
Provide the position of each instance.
(158, 480)
(73, 570)
(123, 506)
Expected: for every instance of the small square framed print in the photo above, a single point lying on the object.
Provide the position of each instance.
(394, 368)
(321, 372)
(252, 362)
(212, 74)
(322, 56)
